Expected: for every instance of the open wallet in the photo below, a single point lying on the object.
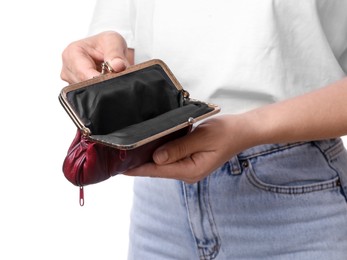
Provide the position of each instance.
(122, 118)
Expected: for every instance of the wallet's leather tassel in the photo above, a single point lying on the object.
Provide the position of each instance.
(81, 196)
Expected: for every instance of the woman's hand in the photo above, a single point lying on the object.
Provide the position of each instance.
(196, 155)
(82, 59)
(316, 115)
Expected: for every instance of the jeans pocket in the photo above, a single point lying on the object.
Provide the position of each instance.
(296, 169)
(336, 155)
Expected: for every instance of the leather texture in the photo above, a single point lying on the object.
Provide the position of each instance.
(88, 162)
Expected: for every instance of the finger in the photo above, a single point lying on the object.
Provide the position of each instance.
(118, 64)
(77, 74)
(178, 170)
(183, 147)
(190, 169)
(80, 62)
(115, 51)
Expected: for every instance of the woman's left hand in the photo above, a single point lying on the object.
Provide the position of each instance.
(196, 155)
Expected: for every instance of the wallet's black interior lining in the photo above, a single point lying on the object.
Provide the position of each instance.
(136, 132)
(125, 100)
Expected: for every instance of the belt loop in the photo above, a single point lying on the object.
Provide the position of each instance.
(235, 166)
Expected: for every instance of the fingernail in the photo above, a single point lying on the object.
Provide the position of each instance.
(161, 156)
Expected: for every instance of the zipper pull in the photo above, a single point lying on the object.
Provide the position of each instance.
(81, 196)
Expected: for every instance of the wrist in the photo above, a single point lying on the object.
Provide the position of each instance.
(256, 128)
(242, 132)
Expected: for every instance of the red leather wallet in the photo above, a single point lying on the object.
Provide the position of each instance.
(123, 117)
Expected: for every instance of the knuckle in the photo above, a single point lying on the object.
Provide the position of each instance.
(182, 151)
(63, 76)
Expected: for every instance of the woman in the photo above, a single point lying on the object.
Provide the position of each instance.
(267, 179)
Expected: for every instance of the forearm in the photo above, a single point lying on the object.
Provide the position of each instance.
(317, 115)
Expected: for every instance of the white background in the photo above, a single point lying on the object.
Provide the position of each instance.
(40, 217)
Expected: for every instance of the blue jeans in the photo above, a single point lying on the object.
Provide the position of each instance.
(285, 201)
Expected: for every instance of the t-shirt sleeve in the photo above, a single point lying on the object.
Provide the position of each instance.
(113, 15)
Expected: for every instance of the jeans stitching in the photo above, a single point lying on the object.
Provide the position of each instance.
(206, 198)
(331, 154)
(210, 252)
(302, 189)
(269, 151)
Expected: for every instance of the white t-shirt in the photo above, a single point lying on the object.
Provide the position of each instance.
(239, 54)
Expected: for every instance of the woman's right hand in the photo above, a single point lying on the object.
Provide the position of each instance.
(82, 59)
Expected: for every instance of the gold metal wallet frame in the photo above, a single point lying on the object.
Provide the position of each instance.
(134, 107)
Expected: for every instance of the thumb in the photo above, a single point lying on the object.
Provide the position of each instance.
(118, 64)
(174, 151)
(115, 50)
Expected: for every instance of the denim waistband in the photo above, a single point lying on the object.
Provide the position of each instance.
(255, 151)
